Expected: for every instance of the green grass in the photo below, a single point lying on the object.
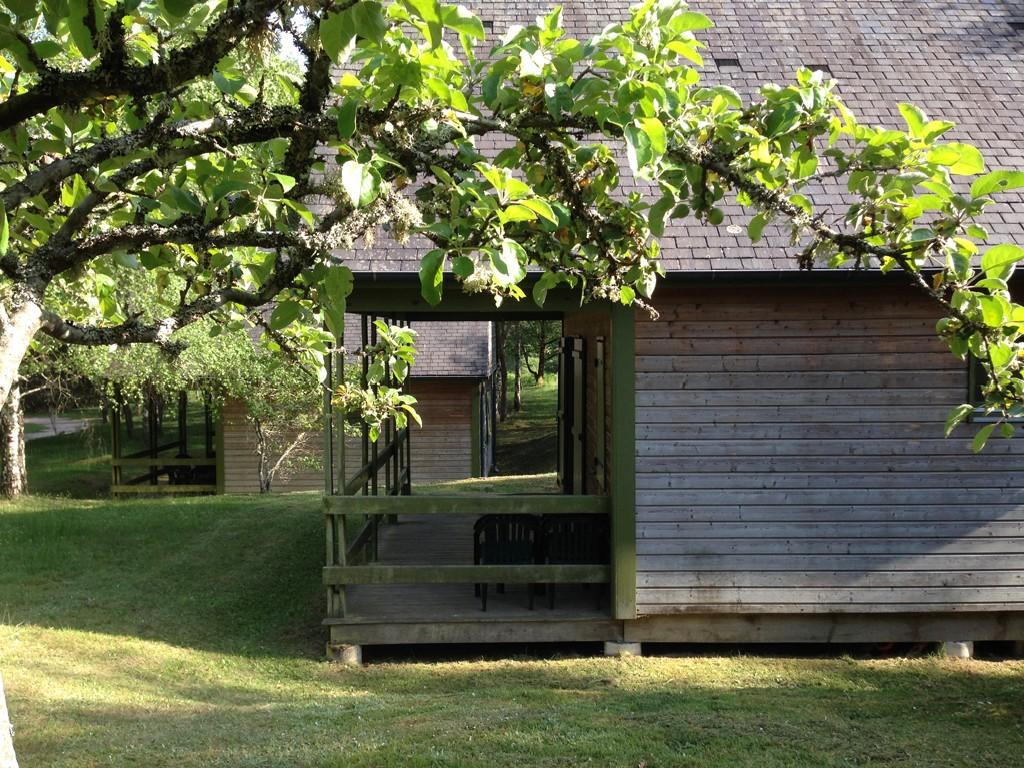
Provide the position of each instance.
(186, 632)
(528, 440)
(75, 464)
(32, 429)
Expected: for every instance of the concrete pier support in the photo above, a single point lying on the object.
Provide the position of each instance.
(622, 649)
(349, 655)
(958, 649)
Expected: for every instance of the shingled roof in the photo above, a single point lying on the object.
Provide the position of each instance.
(959, 60)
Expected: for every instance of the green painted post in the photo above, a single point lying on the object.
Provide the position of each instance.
(475, 462)
(622, 474)
(328, 424)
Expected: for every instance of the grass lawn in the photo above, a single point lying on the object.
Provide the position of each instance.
(73, 464)
(528, 440)
(185, 632)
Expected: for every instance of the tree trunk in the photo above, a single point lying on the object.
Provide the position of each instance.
(263, 466)
(542, 350)
(12, 446)
(20, 320)
(500, 342)
(128, 419)
(517, 402)
(7, 756)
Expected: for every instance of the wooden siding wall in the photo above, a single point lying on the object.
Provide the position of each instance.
(441, 450)
(240, 460)
(791, 459)
(590, 325)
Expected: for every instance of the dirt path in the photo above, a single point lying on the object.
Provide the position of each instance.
(64, 426)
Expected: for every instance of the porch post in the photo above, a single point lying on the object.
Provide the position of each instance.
(622, 474)
(328, 388)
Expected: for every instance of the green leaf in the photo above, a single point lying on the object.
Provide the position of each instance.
(462, 21)
(656, 217)
(638, 148)
(961, 159)
(916, 119)
(368, 20)
(430, 12)
(184, 200)
(997, 181)
(286, 181)
(432, 275)
(686, 49)
(655, 131)
(978, 443)
(228, 82)
(993, 311)
(509, 262)
(5, 231)
(689, 21)
(756, 227)
(781, 120)
(336, 32)
(541, 208)
(999, 261)
(347, 119)
(80, 34)
(337, 288)
(177, 8)
(518, 212)
(958, 414)
(546, 282)
(360, 182)
(284, 314)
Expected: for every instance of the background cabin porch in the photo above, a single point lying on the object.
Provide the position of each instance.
(399, 566)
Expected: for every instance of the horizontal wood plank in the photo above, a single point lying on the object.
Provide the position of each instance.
(466, 574)
(467, 504)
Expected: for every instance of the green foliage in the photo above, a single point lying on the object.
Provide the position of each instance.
(378, 397)
(210, 188)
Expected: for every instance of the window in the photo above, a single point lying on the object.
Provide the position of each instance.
(728, 64)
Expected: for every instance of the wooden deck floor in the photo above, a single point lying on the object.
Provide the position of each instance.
(423, 613)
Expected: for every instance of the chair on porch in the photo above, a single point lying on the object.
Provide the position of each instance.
(505, 540)
(574, 540)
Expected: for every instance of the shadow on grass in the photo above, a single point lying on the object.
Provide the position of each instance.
(239, 574)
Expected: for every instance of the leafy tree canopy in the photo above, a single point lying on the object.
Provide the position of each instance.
(136, 135)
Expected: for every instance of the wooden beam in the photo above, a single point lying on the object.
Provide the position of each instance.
(483, 629)
(162, 489)
(622, 475)
(477, 504)
(401, 298)
(170, 461)
(367, 470)
(467, 574)
(825, 628)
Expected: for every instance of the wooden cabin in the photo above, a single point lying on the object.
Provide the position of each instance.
(768, 454)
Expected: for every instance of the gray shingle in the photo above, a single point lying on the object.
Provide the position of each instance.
(957, 59)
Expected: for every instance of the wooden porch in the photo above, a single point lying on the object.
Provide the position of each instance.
(437, 613)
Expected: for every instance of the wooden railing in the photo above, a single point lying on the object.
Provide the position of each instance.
(339, 573)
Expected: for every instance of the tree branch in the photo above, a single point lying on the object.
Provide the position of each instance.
(114, 77)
